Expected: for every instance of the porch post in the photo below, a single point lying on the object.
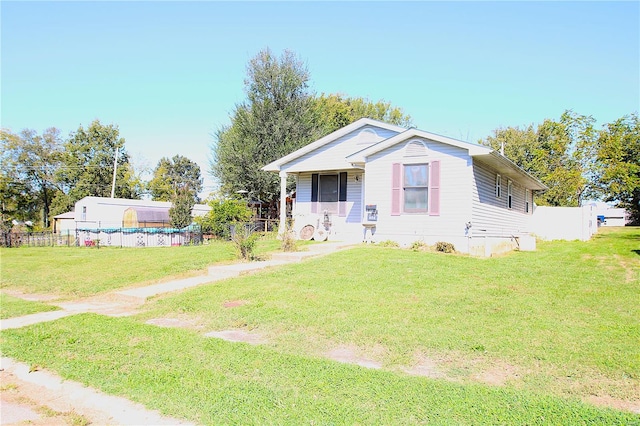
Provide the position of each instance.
(283, 204)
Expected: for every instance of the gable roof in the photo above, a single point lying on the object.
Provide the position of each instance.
(360, 156)
(275, 165)
(484, 154)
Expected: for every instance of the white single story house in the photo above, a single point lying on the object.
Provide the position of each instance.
(103, 212)
(376, 181)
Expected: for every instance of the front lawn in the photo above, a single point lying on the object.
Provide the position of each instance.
(209, 381)
(563, 319)
(82, 271)
(517, 339)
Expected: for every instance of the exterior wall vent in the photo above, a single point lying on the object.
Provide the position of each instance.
(415, 148)
(368, 137)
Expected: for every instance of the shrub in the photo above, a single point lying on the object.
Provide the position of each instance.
(224, 213)
(180, 211)
(289, 241)
(244, 239)
(418, 246)
(388, 243)
(445, 247)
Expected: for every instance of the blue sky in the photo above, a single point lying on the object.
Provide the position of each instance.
(169, 74)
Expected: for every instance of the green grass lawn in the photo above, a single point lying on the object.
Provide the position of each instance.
(545, 328)
(563, 318)
(210, 381)
(81, 271)
(14, 307)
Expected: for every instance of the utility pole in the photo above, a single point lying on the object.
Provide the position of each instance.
(115, 165)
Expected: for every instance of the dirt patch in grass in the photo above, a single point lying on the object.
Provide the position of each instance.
(456, 367)
(349, 355)
(235, 303)
(497, 374)
(234, 335)
(619, 404)
(592, 389)
(631, 270)
(175, 323)
(238, 336)
(425, 368)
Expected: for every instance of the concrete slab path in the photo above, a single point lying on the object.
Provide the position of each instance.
(125, 302)
(70, 396)
(67, 395)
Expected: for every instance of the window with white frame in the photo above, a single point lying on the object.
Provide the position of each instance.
(416, 188)
(509, 194)
(498, 186)
(527, 197)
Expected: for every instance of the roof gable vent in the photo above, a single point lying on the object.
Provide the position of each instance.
(415, 148)
(368, 137)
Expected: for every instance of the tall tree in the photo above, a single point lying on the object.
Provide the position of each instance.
(173, 175)
(518, 144)
(559, 153)
(618, 164)
(334, 111)
(275, 119)
(88, 163)
(29, 165)
(279, 116)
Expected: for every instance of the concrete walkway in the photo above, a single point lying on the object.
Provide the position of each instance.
(70, 396)
(125, 302)
(100, 406)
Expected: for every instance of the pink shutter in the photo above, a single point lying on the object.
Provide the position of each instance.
(396, 188)
(434, 188)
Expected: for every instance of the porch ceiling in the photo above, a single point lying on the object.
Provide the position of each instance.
(328, 168)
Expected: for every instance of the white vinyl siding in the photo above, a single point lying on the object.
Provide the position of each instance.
(454, 194)
(332, 155)
(492, 215)
(353, 206)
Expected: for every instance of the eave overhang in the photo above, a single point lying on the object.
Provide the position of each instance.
(507, 168)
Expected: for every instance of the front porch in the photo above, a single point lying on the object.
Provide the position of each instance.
(330, 202)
